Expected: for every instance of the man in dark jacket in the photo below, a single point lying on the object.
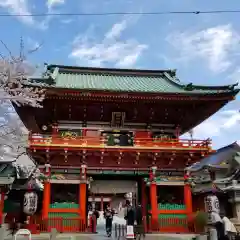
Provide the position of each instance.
(139, 228)
(108, 214)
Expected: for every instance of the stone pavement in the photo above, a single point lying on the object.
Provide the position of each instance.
(100, 236)
(103, 237)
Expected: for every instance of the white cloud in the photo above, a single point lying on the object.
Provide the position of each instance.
(216, 46)
(116, 30)
(20, 7)
(222, 127)
(52, 3)
(67, 21)
(110, 50)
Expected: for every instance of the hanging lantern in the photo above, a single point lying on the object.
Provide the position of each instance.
(30, 203)
(212, 204)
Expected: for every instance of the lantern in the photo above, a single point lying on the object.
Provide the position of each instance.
(30, 203)
(212, 204)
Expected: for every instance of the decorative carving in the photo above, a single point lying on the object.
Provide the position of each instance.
(69, 134)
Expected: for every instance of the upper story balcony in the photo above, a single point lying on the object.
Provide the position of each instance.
(126, 141)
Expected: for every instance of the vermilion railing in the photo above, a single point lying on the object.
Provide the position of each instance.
(61, 225)
(170, 225)
(164, 225)
(85, 141)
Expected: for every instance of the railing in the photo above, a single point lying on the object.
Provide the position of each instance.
(93, 142)
(170, 225)
(165, 225)
(120, 231)
(61, 225)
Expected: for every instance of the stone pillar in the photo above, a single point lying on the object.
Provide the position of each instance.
(46, 192)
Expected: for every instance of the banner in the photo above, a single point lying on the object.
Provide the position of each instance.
(212, 204)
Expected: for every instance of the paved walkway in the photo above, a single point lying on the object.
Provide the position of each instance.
(103, 237)
(100, 236)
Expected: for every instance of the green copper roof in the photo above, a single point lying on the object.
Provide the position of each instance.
(7, 170)
(119, 80)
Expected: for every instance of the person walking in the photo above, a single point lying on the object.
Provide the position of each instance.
(129, 216)
(95, 216)
(139, 228)
(230, 230)
(218, 223)
(108, 215)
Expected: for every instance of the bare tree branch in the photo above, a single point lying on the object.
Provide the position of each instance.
(9, 52)
(36, 48)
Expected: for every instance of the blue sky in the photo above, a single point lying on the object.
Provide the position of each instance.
(205, 49)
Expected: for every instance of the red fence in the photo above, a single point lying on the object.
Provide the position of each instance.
(61, 225)
(163, 225)
(169, 225)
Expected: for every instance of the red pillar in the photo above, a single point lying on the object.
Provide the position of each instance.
(188, 198)
(153, 198)
(46, 192)
(83, 193)
(82, 201)
(46, 199)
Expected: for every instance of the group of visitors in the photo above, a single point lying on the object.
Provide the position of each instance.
(132, 215)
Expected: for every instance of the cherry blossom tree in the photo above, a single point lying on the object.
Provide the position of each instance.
(15, 88)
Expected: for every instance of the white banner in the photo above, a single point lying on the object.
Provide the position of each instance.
(212, 204)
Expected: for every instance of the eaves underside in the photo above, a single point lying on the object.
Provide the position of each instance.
(65, 92)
